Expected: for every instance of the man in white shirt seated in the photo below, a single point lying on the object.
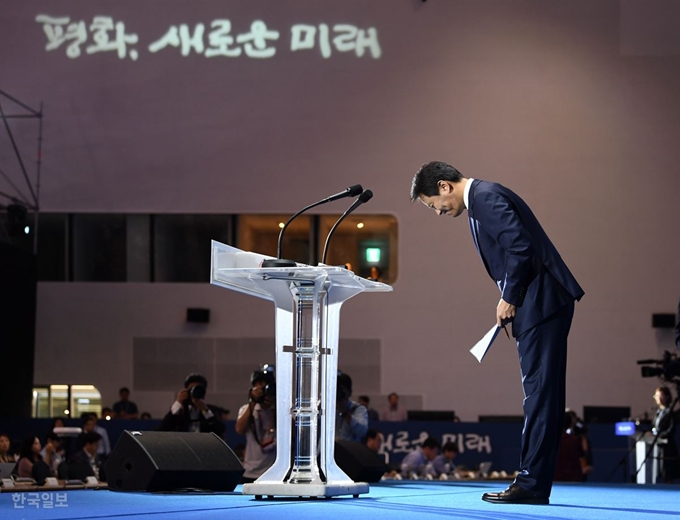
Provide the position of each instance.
(394, 412)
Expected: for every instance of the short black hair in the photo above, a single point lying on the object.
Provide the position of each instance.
(51, 436)
(344, 387)
(124, 389)
(91, 437)
(262, 375)
(87, 417)
(430, 442)
(450, 446)
(372, 433)
(665, 391)
(426, 178)
(195, 378)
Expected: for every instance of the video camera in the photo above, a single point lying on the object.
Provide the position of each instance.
(667, 368)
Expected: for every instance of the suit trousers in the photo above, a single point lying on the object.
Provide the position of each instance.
(543, 362)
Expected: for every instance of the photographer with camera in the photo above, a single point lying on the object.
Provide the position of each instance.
(351, 418)
(257, 421)
(190, 412)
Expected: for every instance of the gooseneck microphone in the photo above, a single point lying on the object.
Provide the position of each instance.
(352, 191)
(364, 197)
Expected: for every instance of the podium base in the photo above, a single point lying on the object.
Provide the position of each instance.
(272, 489)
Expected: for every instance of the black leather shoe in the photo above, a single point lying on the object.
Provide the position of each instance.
(515, 495)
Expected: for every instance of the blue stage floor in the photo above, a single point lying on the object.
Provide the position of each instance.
(386, 500)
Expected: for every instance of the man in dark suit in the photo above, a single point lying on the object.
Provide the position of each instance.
(86, 462)
(537, 296)
(190, 412)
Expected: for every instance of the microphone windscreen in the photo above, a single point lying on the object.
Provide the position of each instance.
(355, 190)
(366, 196)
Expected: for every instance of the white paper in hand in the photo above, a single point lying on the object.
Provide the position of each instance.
(482, 346)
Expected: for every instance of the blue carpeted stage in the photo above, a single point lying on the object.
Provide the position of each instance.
(386, 500)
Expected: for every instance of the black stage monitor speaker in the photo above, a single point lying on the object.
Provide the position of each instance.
(169, 461)
(358, 462)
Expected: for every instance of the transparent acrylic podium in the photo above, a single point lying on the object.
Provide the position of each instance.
(646, 459)
(308, 301)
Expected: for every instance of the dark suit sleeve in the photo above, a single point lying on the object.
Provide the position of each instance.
(170, 423)
(213, 424)
(79, 467)
(666, 425)
(497, 216)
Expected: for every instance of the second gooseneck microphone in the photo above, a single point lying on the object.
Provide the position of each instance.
(364, 197)
(352, 191)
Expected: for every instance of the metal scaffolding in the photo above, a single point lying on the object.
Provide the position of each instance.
(17, 204)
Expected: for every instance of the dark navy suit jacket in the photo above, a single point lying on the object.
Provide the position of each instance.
(518, 255)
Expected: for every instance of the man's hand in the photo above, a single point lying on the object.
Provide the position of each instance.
(505, 312)
(182, 395)
(256, 393)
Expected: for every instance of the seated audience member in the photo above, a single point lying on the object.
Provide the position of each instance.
(86, 462)
(415, 464)
(351, 418)
(373, 415)
(29, 455)
(68, 442)
(572, 458)
(374, 440)
(393, 412)
(145, 416)
(257, 422)
(90, 425)
(5, 449)
(443, 463)
(190, 412)
(107, 414)
(53, 452)
(125, 409)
